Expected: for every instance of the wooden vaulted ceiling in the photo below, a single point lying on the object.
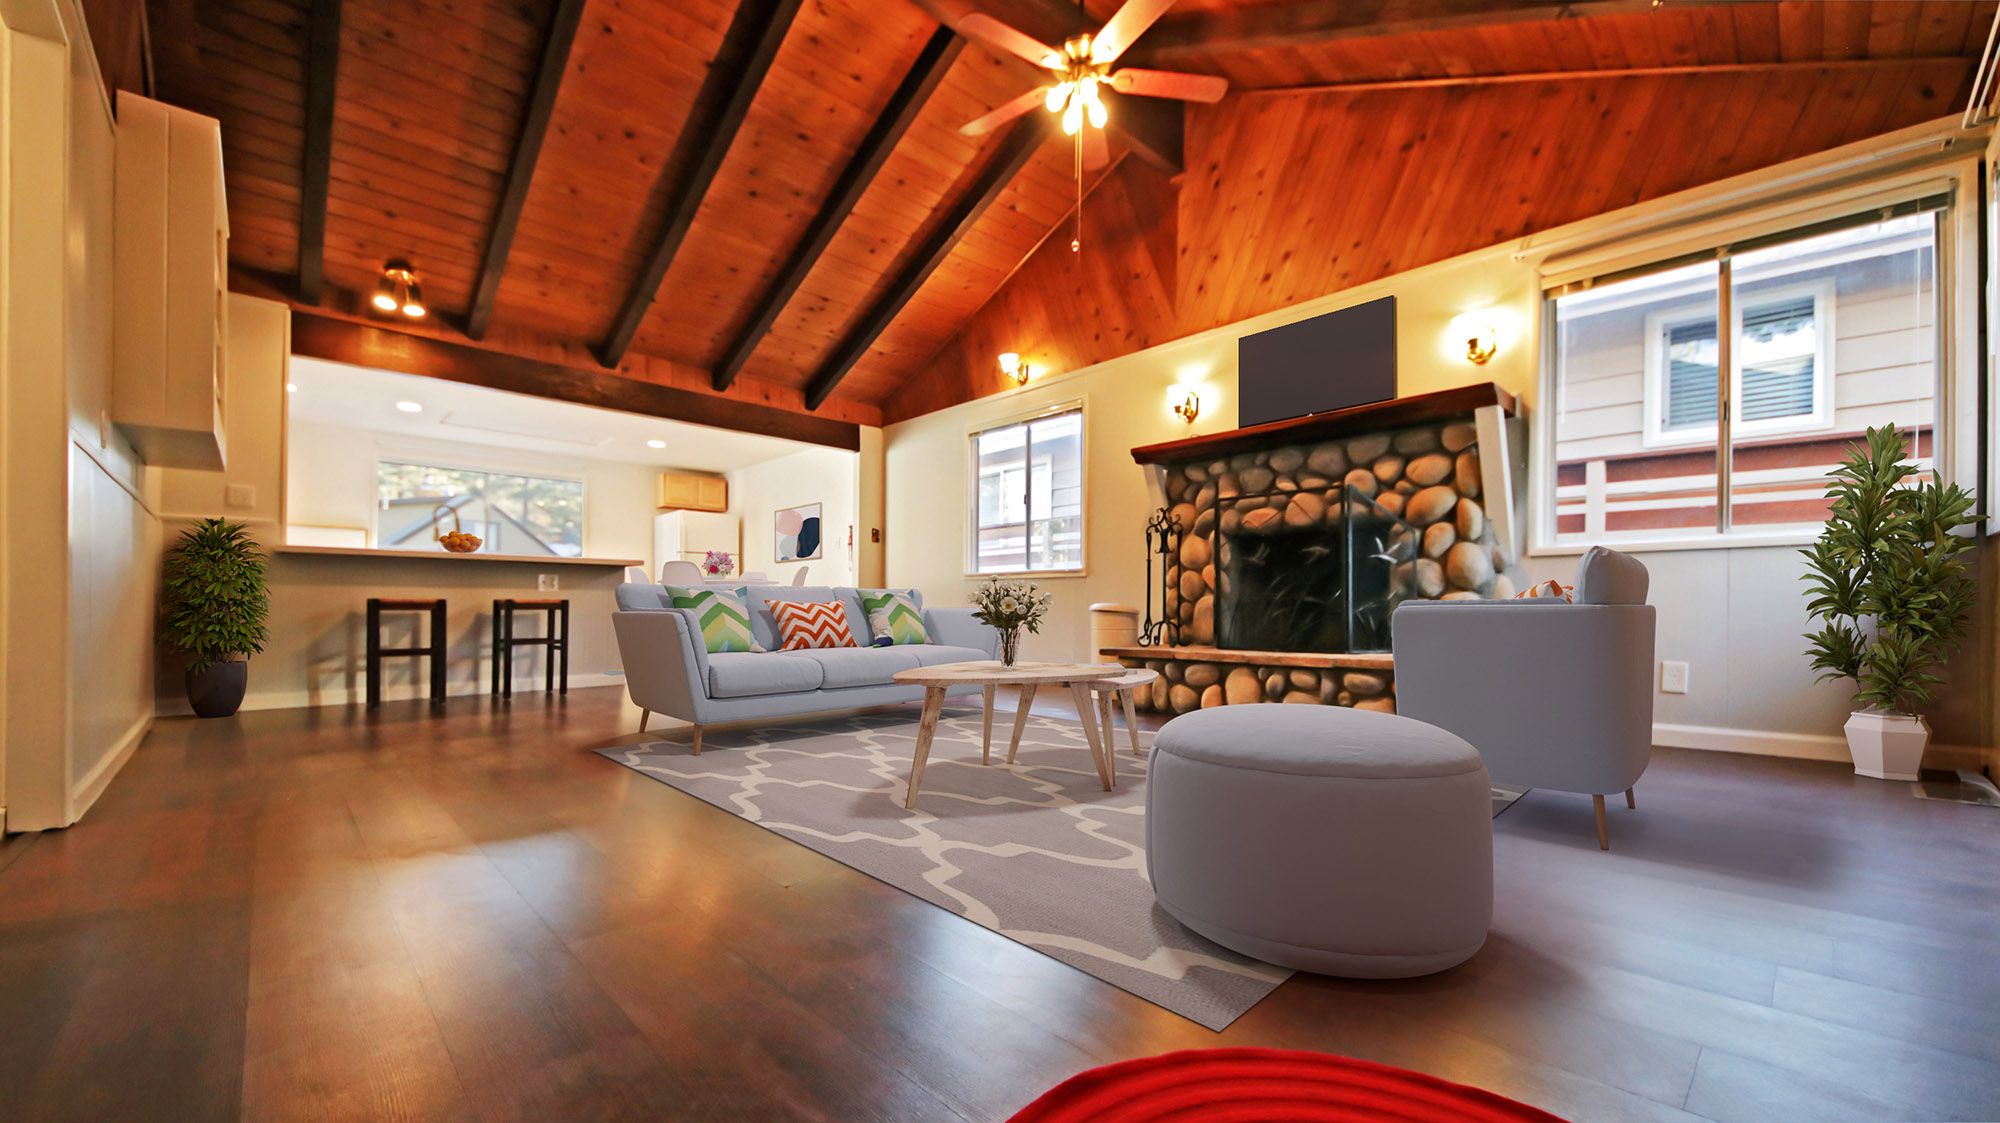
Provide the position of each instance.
(566, 152)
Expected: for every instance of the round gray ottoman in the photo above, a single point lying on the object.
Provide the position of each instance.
(1339, 841)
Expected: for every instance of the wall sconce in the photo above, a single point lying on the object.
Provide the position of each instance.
(1481, 338)
(1186, 403)
(398, 290)
(1015, 370)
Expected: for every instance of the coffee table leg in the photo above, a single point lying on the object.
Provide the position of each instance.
(1081, 692)
(926, 729)
(1021, 719)
(986, 729)
(1131, 721)
(1110, 734)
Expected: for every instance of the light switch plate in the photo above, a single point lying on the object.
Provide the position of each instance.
(1673, 677)
(239, 495)
(545, 582)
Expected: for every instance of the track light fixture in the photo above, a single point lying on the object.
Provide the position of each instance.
(398, 290)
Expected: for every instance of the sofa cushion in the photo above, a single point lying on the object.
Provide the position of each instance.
(741, 674)
(931, 654)
(896, 615)
(723, 615)
(857, 666)
(811, 624)
(636, 596)
(765, 625)
(1609, 577)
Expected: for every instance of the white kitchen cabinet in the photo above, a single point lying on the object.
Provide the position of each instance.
(170, 298)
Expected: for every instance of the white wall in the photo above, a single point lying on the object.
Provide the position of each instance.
(80, 556)
(330, 482)
(827, 476)
(1126, 404)
(1735, 615)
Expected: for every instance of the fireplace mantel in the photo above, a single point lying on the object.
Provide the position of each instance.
(1315, 427)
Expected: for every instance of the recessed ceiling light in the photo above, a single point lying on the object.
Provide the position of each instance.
(656, 444)
(409, 407)
(291, 387)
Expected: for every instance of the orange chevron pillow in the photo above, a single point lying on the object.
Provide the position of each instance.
(803, 624)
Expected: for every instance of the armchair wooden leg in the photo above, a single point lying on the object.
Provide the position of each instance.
(1630, 803)
(1603, 829)
(644, 717)
(697, 740)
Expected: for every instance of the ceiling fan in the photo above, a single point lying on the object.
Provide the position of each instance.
(1081, 67)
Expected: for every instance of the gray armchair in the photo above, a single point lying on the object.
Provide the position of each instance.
(1552, 694)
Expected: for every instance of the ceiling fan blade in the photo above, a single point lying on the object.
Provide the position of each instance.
(980, 126)
(981, 26)
(1096, 152)
(1131, 22)
(1169, 83)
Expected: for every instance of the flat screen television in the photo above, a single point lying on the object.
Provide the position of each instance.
(1342, 359)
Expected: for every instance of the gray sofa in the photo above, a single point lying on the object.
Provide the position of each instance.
(669, 670)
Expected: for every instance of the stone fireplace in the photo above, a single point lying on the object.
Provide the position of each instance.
(1300, 537)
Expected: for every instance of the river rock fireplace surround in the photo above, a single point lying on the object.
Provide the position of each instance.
(1299, 538)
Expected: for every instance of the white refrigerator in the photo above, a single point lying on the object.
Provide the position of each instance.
(690, 535)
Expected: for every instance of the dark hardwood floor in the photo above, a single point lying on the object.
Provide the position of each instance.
(330, 915)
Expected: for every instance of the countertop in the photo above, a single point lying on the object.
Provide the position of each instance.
(440, 555)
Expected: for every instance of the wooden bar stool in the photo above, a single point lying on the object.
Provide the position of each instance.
(1121, 688)
(435, 650)
(554, 637)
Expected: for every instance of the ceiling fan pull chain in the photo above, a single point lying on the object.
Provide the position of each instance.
(1076, 243)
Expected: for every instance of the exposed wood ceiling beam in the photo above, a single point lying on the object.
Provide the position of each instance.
(1303, 23)
(1959, 62)
(561, 35)
(1153, 128)
(322, 73)
(752, 41)
(916, 89)
(345, 341)
(1023, 138)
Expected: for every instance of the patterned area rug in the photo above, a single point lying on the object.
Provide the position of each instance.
(1038, 851)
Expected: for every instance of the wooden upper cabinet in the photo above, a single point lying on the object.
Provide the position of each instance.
(692, 493)
(170, 287)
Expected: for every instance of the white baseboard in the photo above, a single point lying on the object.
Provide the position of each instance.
(1802, 746)
(177, 706)
(99, 777)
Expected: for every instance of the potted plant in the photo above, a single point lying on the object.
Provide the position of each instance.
(1889, 586)
(1009, 606)
(215, 605)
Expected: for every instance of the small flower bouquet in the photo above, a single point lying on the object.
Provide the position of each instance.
(718, 564)
(1010, 606)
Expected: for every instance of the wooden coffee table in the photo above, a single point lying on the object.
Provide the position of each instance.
(988, 674)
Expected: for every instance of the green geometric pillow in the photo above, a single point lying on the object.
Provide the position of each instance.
(724, 615)
(897, 615)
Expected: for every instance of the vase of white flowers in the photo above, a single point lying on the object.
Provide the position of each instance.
(1008, 607)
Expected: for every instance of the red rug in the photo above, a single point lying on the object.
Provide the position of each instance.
(1268, 1086)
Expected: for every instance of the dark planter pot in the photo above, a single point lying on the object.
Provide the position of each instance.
(218, 691)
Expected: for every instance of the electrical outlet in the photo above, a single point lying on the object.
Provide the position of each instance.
(239, 495)
(545, 582)
(1673, 677)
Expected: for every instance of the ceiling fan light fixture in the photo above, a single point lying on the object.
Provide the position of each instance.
(1072, 118)
(1059, 95)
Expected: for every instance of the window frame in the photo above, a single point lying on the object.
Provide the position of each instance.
(972, 478)
(389, 455)
(1655, 434)
(1926, 164)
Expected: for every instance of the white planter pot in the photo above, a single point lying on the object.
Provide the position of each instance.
(1887, 746)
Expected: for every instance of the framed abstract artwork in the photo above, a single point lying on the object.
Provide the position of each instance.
(798, 534)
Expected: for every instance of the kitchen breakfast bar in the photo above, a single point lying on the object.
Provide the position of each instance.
(317, 651)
